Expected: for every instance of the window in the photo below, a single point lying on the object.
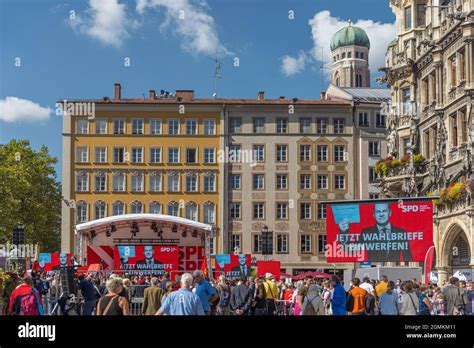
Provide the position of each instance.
(173, 209)
(349, 55)
(136, 207)
(463, 124)
(235, 242)
(119, 154)
(343, 56)
(305, 153)
(363, 119)
(321, 211)
(173, 127)
(100, 183)
(282, 211)
(305, 125)
(322, 182)
(234, 153)
(118, 208)
(235, 181)
(357, 54)
(420, 15)
(118, 182)
(462, 64)
(82, 182)
(137, 182)
(155, 183)
(173, 155)
(454, 129)
(259, 153)
(191, 127)
(82, 154)
(305, 211)
(191, 212)
(282, 243)
(282, 182)
(235, 125)
(235, 211)
(259, 125)
(119, 126)
(99, 210)
(257, 243)
(305, 247)
(407, 18)
(321, 126)
(372, 175)
(374, 196)
(380, 120)
(100, 126)
(100, 154)
(282, 125)
(173, 182)
(209, 155)
(339, 126)
(339, 151)
(258, 181)
(209, 213)
(406, 100)
(339, 182)
(155, 155)
(191, 183)
(81, 211)
(321, 243)
(374, 148)
(137, 154)
(406, 145)
(82, 126)
(258, 211)
(137, 126)
(155, 126)
(191, 155)
(155, 208)
(361, 57)
(359, 76)
(305, 182)
(209, 127)
(282, 152)
(322, 153)
(210, 183)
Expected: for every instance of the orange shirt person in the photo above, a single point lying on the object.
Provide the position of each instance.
(359, 296)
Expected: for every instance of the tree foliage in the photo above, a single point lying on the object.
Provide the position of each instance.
(30, 194)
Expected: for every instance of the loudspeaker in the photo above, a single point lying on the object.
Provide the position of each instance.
(68, 283)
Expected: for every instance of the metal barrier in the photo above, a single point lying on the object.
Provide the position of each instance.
(136, 306)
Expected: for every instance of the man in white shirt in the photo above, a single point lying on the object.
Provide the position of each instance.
(367, 286)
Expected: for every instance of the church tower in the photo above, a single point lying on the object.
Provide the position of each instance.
(350, 54)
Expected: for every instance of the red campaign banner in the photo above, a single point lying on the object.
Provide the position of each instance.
(272, 267)
(379, 232)
(239, 265)
(48, 262)
(146, 259)
(190, 258)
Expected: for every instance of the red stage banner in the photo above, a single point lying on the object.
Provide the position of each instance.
(146, 259)
(101, 252)
(272, 267)
(379, 232)
(48, 262)
(190, 258)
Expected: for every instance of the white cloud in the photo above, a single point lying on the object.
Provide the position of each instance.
(188, 19)
(291, 66)
(14, 109)
(106, 21)
(324, 26)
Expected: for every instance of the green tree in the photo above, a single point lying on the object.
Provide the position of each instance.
(31, 194)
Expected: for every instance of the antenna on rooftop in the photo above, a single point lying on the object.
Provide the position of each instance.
(217, 73)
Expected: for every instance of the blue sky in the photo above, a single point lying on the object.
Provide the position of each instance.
(64, 58)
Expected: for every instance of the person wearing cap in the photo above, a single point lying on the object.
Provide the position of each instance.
(271, 291)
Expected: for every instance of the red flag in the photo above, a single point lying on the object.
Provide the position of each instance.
(36, 266)
(204, 267)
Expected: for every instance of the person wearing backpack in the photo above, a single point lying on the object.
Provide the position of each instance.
(408, 303)
(313, 303)
(25, 299)
(223, 290)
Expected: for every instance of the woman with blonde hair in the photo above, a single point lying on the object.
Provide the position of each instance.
(112, 303)
(297, 299)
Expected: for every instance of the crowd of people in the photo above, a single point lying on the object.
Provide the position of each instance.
(194, 294)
